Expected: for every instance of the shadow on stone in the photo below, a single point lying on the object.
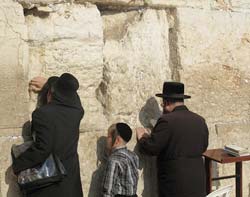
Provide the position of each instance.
(148, 164)
(150, 113)
(11, 180)
(97, 176)
(26, 131)
(249, 190)
(148, 117)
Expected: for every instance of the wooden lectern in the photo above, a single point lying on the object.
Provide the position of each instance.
(220, 156)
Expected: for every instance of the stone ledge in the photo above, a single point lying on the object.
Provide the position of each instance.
(116, 3)
(234, 5)
(157, 4)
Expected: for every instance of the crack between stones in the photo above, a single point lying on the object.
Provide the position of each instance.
(174, 56)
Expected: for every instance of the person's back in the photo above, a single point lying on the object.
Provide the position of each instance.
(127, 166)
(178, 140)
(181, 161)
(65, 120)
(187, 133)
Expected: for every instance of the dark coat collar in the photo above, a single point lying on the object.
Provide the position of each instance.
(180, 108)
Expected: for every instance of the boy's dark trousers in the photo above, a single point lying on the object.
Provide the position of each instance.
(118, 195)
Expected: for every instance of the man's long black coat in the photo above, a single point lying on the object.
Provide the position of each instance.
(56, 128)
(178, 139)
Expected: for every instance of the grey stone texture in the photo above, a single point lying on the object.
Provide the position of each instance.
(14, 66)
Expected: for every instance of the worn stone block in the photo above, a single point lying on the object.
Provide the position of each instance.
(8, 184)
(136, 57)
(240, 4)
(234, 5)
(71, 41)
(14, 61)
(178, 3)
(119, 3)
(213, 62)
(28, 4)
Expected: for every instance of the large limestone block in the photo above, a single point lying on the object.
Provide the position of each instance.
(8, 186)
(70, 39)
(237, 133)
(178, 3)
(240, 4)
(136, 59)
(93, 160)
(231, 5)
(213, 52)
(125, 3)
(13, 64)
(41, 3)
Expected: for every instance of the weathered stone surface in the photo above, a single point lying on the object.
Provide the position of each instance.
(162, 4)
(213, 57)
(231, 5)
(227, 5)
(13, 64)
(92, 161)
(240, 4)
(71, 40)
(126, 3)
(136, 57)
(8, 186)
(179, 3)
(38, 3)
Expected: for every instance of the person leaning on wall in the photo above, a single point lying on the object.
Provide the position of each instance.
(178, 140)
(56, 127)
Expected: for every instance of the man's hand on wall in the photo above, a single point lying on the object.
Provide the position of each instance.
(36, 84)
(141, 132)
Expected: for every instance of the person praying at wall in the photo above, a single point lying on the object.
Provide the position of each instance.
(121, 173)
(178, 140)
(43, 88)
(55, 124)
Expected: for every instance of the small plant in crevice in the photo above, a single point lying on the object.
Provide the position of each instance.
(147, 2)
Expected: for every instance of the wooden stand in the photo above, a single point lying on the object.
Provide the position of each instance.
(220, 156)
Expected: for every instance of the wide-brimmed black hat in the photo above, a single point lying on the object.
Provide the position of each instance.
(173, 90)
(66, 86)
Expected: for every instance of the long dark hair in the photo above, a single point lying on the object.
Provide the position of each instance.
(42, 95)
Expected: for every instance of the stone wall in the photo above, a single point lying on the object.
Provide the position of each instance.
(122, 51)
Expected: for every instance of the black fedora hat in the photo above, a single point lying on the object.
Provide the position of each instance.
(173, 90)
(66, 86)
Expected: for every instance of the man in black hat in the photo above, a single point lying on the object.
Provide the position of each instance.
(121, 173)
(56, 128)
(178, 140)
